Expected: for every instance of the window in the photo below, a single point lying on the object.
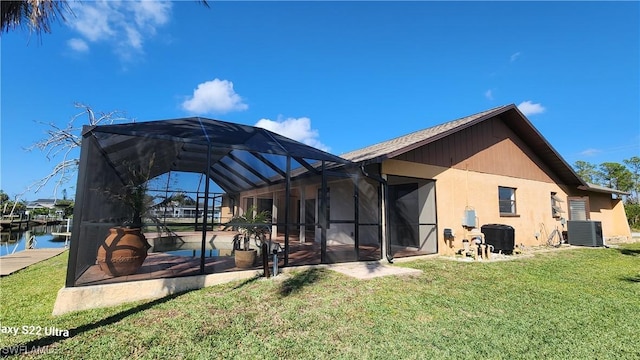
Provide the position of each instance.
(579, 208)
(556, 210)
(507, 200)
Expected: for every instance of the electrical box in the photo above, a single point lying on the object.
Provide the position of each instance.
(448, 233)
(469, 218)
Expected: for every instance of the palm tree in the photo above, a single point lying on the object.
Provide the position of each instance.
(38, 15)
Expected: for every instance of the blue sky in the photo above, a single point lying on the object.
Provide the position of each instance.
(336, 75)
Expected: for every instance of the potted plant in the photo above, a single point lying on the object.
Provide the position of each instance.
(125, 248)
(251, 225)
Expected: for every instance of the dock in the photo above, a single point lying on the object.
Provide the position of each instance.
(8, 224)
(9, 264)
(64, 233)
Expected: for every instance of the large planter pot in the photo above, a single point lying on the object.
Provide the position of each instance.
(245, 258)
(123, 251)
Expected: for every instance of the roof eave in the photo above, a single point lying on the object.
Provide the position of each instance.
(601, 189)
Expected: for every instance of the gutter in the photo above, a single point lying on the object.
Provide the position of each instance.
(384, 183)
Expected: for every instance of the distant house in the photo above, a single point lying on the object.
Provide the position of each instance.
(41, 204)
(53, 205)
(185, 212)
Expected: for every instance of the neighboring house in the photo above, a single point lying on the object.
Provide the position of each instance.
(185, 211)
(41, 204)
(49, 204)
(492, 167)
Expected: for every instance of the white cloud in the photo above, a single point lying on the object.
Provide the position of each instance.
(215, 96)
(515, 56)
(150, 13)
(124, 25)
(590, 152)
(297, 129)
(78, 45)
(530, 108)
(488, 94)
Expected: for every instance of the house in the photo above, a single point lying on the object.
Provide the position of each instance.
(41, 204)
(52, 205)
(179, 211)
(493, 165)
(422, 193)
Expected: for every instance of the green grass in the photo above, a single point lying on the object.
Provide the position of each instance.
(570, 304)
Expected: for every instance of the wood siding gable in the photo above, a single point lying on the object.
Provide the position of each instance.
(487, 147)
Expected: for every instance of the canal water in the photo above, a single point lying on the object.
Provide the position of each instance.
(12, 242)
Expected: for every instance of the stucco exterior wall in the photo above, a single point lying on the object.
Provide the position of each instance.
(458, 189)
(612, 215)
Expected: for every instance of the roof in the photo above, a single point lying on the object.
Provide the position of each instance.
(241, 156)
(41, 203)
(511, 116)
(602, 189)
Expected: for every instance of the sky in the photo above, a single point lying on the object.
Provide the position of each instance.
(335, 75)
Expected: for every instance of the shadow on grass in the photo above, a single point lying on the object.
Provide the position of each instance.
(247, 282)
(300, 280)
(630, 252)
(42, 344)
(632, 279)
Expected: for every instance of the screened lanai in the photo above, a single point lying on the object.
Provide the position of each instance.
(253, 167)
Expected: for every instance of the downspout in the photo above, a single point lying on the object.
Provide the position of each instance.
(384, 183)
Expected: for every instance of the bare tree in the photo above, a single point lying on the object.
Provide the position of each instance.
(61, 141)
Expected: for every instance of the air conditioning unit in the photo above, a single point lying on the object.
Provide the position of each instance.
(585, 233)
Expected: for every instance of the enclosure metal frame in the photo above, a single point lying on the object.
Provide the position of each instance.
(225, 175)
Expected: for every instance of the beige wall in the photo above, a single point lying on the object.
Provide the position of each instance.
(611, 213)
(458, 189)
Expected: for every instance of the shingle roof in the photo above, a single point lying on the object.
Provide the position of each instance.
(402, 144)
(510, 115)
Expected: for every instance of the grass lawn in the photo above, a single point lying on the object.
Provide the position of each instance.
(567, 304)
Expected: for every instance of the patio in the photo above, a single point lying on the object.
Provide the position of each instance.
(159, 265)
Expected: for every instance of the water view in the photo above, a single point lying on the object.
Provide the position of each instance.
(37, 237)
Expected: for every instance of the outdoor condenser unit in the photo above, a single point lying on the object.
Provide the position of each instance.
(585, 233)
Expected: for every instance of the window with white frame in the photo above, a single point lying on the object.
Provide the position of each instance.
(507, 200)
